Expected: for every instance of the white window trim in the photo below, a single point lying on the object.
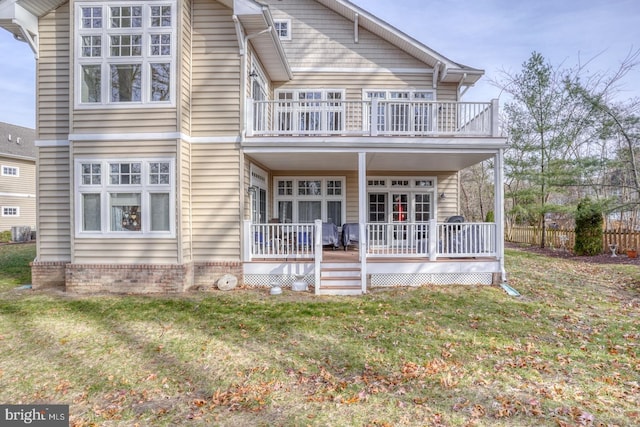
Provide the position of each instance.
(17, 210)
(412, 189)
(388, 93)
(286, 21)
(15, 168)
(105, 61)
(105, 188)
(295, 198)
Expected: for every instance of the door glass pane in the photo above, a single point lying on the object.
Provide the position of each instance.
(334, 212)
(262, 206)
(309, 211)
(400, 207)
(423, 207)
(285, 211)
(159, 211)
(377, 207)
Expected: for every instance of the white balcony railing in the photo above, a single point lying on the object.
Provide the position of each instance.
(372, 118)
(402, 240)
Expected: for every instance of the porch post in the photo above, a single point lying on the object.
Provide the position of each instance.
(499, 209)
(433, 239)
(362, 218)
(317, 253)
(246, 244)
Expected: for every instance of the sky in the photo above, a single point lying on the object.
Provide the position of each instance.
(496, 36)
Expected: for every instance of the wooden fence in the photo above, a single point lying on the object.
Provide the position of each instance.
(565, 239)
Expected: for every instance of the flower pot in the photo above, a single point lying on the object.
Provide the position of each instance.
(632, 253)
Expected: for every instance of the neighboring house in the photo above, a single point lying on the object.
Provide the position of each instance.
(17, 177)
(182, 141)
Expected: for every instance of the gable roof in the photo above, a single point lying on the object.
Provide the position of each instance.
(447, 70)
(17, 142)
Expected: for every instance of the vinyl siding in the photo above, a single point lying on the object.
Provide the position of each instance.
(27, 215)
(184, 201)
(25, 182)
(52, 71)
(215, 189)
(54, 204)
(122, 120)
(184, 67)
(321, 38)
(215, 100)
(125, 251)
(354, 83)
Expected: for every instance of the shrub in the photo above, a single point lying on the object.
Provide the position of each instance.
(588, 228)
(490, 217)
(5, 236)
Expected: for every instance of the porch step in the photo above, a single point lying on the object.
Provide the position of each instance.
(340, 279)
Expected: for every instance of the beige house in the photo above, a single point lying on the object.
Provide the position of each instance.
(187, 143)
(17, 177)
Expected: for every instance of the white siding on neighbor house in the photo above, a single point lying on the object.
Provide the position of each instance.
(54, 204)
(215, 191)
(133, 250)
(18, 191)
(53, 79)
(321, 38)
(215, 96)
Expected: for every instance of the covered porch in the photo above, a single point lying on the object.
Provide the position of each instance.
(389, 236)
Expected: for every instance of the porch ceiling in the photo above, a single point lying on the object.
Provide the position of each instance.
(376, 161)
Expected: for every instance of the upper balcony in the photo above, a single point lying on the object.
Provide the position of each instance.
(372, 117)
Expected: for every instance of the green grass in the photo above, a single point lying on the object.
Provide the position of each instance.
(564, 354)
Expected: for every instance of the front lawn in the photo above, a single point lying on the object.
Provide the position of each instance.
(564, 354)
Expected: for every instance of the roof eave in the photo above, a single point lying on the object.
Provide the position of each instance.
(258, 24)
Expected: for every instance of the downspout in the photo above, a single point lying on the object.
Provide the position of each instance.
(242, 41)
(464, 77)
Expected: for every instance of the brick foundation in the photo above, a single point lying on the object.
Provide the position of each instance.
(47, 274)
(128, 279)
(132, 279)
(207, 274)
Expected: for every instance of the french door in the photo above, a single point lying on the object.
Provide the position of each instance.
(397, 210)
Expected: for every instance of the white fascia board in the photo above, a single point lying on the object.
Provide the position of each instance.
(246, 7)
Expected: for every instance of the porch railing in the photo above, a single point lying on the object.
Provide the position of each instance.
(375, 117)
(282, 240)
(406, 240)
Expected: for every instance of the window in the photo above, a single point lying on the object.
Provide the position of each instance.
(283, 28)
(408, 111)
(125, 198)
(10, 171)
(317, 111)
(305, 199)
(125, 54)
(10, 211)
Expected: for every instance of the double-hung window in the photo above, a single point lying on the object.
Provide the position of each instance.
(125, 198)
(125, 53)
